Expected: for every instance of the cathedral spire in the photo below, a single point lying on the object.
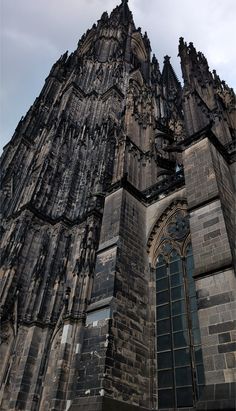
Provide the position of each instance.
(194, 64)
(122, 13)
(169, 79)
(124, 4)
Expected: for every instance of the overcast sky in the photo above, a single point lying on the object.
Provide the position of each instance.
(34, 33)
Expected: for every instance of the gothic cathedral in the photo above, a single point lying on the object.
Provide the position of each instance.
(118, 288)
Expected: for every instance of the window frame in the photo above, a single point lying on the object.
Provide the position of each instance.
(189, 346)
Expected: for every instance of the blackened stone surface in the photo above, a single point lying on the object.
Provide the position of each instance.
(215, 300)
(217, 397)
(104, 404)
(222, 327)
(85, 185)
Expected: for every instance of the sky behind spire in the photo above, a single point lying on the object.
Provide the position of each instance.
(35, 33)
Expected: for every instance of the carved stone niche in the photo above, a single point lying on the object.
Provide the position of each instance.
(5, 333)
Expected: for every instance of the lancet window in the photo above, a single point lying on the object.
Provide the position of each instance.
(180, 374)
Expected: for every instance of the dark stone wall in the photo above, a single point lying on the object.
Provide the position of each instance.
(210, 195)
(210, 239)
(130, 329)
(103, 404)
(120, 346)
(224, 178)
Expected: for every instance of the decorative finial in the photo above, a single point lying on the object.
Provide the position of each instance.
(181, 43)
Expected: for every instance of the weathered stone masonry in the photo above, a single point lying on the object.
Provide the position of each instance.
(117, 169)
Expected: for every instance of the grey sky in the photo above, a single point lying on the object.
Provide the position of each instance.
(34, 33)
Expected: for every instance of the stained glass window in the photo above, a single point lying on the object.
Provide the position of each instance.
(179, 357)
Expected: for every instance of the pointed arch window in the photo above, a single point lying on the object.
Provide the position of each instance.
(179, 357)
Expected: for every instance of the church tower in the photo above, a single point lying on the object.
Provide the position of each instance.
(117, 279)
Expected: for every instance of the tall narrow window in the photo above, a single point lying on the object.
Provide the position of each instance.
(179, 356)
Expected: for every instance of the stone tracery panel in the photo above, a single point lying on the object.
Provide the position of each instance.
(171, 228)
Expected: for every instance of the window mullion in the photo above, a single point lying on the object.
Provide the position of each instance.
(172, 336)
(190, 332)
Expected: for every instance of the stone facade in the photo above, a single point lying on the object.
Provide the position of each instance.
(115, 173)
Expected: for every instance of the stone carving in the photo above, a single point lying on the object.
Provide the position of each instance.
(178, 227)
(5, 333)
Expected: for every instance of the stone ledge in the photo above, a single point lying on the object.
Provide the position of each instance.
(105, 302)
(103, 404)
